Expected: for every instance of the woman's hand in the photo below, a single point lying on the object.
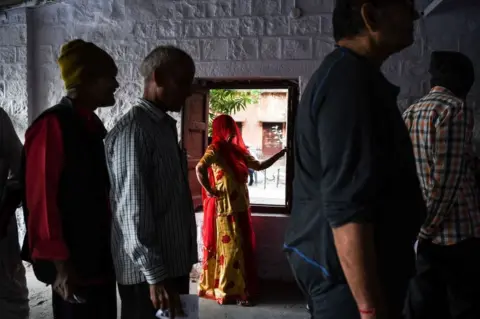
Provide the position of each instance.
(213, 193)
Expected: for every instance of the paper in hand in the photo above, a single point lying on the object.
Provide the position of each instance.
(189, 306)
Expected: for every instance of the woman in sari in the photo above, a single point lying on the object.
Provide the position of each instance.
(229, 272)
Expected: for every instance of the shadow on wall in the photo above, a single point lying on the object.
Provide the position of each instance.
(269, 231)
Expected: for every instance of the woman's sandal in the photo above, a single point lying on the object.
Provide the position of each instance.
(244, 303)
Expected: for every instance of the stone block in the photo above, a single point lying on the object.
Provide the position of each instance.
(243, 49)
(141, 10)
(252, 26)
(414, 68)
(99, 12)
(277, 26)
(14, 72)
(242, 7)
(60, 14)
(54, 34)
(16, 90)
(7, 55)
(198, 28)
(47, 73)
(266, 7)
(21, 56)
(403, 104)
(270, 48)
(19, 108)
(392, 67)
(45, 54)
(190, 10)
(17, 16)
(136, 52)
(315, 6)
(136, 71)
(124, 71)
(309, 25)
(226, 27)
(323, 47)
(145, 30)
(214, 49)
(219, 8)
(14, 34)
(326, 26)
(192, 47)
(168, 29)
(297, 48)
(151, 45)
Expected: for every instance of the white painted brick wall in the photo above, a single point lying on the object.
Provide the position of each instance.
(13, 68)
(227, 38)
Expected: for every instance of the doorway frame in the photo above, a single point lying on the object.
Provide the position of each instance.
(292, 85)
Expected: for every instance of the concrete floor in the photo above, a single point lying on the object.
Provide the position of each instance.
(279, 300)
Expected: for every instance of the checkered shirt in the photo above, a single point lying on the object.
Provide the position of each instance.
(441, 127)
(154, 229)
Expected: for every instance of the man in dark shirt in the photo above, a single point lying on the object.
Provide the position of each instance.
(357, 204)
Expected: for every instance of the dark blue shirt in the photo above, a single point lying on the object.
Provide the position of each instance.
(354, 162)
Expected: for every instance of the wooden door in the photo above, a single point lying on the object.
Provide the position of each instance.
(293, 100)
(194, 138)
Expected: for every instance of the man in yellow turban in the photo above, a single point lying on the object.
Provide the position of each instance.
(66, 189)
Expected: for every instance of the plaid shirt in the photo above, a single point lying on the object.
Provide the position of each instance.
(154, 234)
(441, 128)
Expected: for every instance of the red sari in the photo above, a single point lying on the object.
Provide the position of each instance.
(229, 271)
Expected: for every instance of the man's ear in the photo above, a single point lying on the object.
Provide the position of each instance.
(371, 16)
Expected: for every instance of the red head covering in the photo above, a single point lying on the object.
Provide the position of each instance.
(228, 142)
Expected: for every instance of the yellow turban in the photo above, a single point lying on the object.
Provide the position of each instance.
(81, 61)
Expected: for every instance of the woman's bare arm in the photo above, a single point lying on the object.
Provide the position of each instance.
(202, 175)
(269, 162)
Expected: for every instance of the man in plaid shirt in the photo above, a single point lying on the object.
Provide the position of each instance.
(448, 252)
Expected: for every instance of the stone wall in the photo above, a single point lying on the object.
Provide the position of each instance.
(13, 67)
(227, 38)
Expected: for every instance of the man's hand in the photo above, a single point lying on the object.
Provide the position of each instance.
(66, 281)
(164, 297)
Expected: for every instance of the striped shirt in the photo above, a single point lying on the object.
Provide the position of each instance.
(154, 229)
(441, 129)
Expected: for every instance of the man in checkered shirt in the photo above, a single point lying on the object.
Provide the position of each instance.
(448, 252)
(154, 231)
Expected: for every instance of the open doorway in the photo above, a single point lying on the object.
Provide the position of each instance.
(264, 111)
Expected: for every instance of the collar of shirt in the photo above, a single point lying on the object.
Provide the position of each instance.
(91, 120)
(440, 89)
(158, 114)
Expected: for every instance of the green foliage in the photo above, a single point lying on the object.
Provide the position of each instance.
(227, 101)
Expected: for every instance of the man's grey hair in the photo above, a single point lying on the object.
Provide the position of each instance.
(165, 58)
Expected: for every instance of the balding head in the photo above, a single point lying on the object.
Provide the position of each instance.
(168, 73)
(164, 59)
